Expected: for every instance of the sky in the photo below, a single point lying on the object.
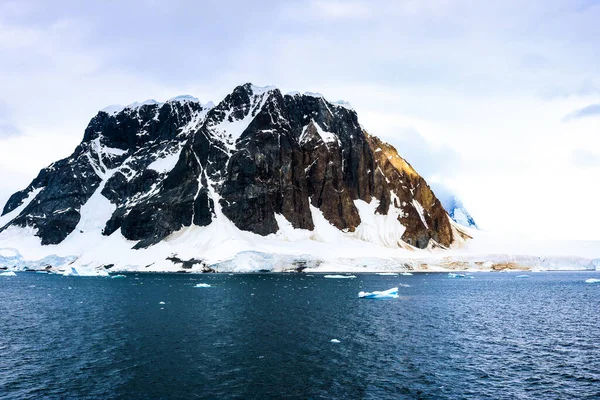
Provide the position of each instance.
(498, 100)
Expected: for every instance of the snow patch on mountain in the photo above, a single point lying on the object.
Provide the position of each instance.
(259, 90)
(115, 109)
(326, 137)
(6, 218)
(384, 230)
(230, 128)
(184, 98)
(165, 162)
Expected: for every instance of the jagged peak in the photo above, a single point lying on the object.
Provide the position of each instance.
(185, 98)
(255, 90)
(343, 103)
(339, 103)
(113, 109)
(249, 88)
(314, 94)
(138, 104)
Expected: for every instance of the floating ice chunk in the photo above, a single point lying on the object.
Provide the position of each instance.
(334, 341)
(161, 302)
(406, 274)
(118, 276)
(592, 280)
(339, 276)
(85, 272)
(522, 276)
(8, 273)
(387, 274)
(455, 276)
(202, 285)
(386, 294)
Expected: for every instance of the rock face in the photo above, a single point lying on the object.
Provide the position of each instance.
(151, 169)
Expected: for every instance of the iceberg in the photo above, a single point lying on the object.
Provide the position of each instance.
(202, 285)
(334, 341)
(387, 274)
(386, 294)
(458, 276)
(523, 276)
(406, 274)
(118, 276)
(591, 280)
(8, 273)
(85, 272)
(339, 276)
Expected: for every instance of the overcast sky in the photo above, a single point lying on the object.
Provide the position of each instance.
(500, 100)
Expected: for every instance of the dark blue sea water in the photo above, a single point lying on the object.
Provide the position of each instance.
(262, 336)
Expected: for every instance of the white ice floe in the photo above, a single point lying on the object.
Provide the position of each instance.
(386, 294)
(592, 280)
(8, 273)
(459, 276)
(84, 272)
(523, 276)
(334, 341)
(161, 302)
(406, 274)
(203, 285)
(387, 274)
(339, 276)
(118, 276)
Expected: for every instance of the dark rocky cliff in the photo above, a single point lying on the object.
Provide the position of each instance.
(258, 153)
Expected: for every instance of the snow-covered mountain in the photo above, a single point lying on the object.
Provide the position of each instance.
(195, 179)
(453, 205)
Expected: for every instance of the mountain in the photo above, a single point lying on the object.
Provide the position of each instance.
(453, 206)
(259, 161)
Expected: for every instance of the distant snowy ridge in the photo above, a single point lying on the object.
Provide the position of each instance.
(114, 109)
(453, 205)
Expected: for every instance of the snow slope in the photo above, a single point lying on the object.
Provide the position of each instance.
(227, 249)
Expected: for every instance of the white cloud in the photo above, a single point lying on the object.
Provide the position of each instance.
(593, 110)
(339, 9)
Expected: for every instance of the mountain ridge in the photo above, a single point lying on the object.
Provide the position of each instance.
(151, 169)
